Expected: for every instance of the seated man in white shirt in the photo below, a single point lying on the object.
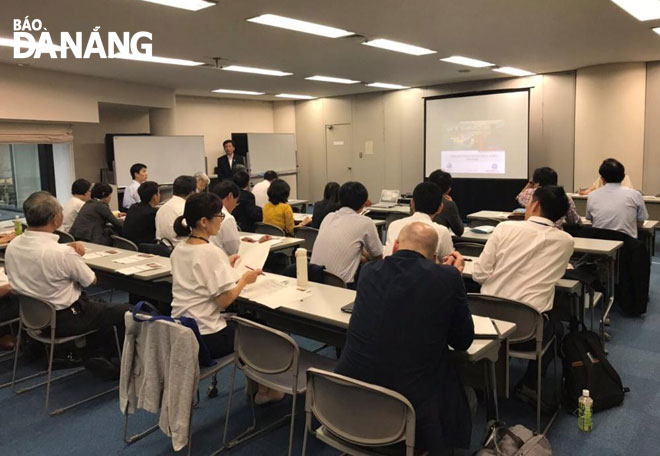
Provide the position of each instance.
(81, 189)
(260, 191)
(347, 238)
(227, 238)
(38, 266)
(183, 187)
(139, 175)
(614, 206)
(426, 203)
(523, 261)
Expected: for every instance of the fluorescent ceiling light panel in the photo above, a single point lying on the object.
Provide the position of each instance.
(331, 79)
(513, 71)
(297, 97)
(643, 10)
(156, 59)
(9, 42)
(398, 47)
(384, 85)
(238, 92)
(190, 5)
(243, 69)
(300, 26)
(459, 60)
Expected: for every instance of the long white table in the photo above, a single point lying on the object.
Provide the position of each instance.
(278, 242)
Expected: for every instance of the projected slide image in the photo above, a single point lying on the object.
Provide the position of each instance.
(473, 134)
(473, 161)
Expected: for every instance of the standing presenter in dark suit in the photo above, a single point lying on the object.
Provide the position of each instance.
(228, 162)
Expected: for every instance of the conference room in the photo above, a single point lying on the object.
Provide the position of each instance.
(304, 150)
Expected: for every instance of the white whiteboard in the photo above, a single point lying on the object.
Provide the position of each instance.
(166, 157)
(271, 151)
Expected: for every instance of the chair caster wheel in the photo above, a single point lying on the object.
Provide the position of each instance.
(212, 391)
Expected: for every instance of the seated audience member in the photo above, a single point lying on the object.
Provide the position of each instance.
(449, 215)
(329, 203)
(203, 182)
(139, 175)
(227, 238)
(260, 191)
(38, 266)
(204, 282)
(426, 203)
(183, 187)
(408, 311)
(81, 191)
(247, 213)
(347, 238)
(277, 211)
(94, 216)
(599, 182)
(614, 206)
(140, 223)
(542, 177)
(523, 260)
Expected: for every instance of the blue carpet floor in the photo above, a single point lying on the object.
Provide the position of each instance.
(96, 428)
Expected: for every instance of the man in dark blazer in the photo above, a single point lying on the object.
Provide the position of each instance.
(247, 213)
(228, 162)
(407, 312)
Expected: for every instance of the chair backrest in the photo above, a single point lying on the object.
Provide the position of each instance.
(264, 349)
(308, 234)
(392, 216)
(64, 237)
(123, 243)
(358, 412)
(528, 320)
(472, 249)
(330, 279)
(267, 228)
(36, 314)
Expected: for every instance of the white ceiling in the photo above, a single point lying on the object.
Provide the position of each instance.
(536, 35)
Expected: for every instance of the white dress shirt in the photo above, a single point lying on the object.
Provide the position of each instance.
(342, 236)
(131, 195)
(445, 245)
(200, 273)
(618, 208)
(260, 192)
(523, 261)
(166, 216)
(228, 238)
(70, 212)
(38, 266)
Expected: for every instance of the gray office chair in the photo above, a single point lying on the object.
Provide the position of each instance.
(271, 358)
(308, 234)
(64, 237)
(529, 326)
(333, 280)
(267, 228)
(36, 316)
(472, 249)
(123, 243)
(357, 417)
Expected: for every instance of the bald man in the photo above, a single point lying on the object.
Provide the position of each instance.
(407, 312)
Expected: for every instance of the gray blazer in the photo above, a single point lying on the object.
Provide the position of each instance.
(90, 224)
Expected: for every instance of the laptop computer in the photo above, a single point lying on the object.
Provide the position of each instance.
(388, 198)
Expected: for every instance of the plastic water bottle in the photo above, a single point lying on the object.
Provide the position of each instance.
(18, 226)
(585, 410)
(301, 267)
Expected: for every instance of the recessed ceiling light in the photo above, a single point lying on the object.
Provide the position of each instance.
(297, 97)
(10, 42)
(459, 60)
(299, 26)
(191, 5)
(398, 47)
(513, 71)
(244, 69)
(643, 10)
(238, 92)
(331, 79)
(156, 59)
(384, 85)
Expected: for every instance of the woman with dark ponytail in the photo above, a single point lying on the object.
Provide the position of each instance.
(204, 280)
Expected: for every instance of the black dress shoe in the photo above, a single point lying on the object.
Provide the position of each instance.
(102, 367)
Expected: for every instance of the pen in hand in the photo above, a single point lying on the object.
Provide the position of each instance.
(252, 269)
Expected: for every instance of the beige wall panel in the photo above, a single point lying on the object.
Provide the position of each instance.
(651, 184)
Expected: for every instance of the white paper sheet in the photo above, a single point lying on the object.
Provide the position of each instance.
(274, 293)
(140, 268)
(251, 256)
(483, 326)
(133, 258)
(101, 254)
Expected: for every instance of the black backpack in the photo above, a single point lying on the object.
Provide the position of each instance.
(585, 366)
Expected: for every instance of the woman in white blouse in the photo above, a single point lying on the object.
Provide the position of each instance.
(204, 280)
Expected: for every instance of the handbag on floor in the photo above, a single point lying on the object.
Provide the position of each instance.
(514, 441)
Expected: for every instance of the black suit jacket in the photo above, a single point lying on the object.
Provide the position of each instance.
(407, 311)
(223, 170)
(140, 224)
(247, 213)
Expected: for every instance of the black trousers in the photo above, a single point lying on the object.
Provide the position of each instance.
(220, 343)
(8, 308)
(86, 315)
(550, 328)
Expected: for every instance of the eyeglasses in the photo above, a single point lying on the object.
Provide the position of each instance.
(221, 215)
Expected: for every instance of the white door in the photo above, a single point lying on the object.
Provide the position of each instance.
(338, 153)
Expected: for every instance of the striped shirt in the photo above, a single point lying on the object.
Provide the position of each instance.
(571, 217)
